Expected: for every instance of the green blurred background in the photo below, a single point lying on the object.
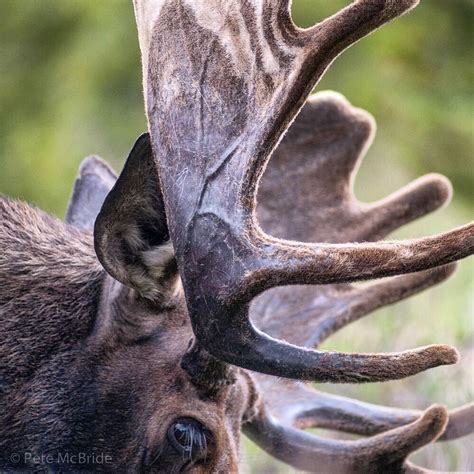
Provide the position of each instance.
(70, 85)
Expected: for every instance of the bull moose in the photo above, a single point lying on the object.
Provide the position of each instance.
(183, 301)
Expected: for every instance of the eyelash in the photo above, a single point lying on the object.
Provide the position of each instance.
(187, 435)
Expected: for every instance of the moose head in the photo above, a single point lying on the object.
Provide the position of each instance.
(183, 301)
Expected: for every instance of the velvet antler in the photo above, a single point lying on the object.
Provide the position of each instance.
(234, 76)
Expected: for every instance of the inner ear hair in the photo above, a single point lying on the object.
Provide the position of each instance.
(131, 235)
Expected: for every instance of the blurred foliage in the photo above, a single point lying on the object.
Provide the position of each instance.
(70, 85)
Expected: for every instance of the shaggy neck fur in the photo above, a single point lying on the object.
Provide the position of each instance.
(50, 282)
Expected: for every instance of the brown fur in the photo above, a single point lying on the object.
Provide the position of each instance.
(70, 383)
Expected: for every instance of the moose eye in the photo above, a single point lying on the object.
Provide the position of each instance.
(190, 438)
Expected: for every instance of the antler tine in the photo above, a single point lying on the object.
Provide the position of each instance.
(234, 77)
(354, 22)
(280, 262)
(352, 416)
(421, 196)
(382, 452)
(295, 404)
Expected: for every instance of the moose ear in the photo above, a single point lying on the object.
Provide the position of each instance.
(131, 234)
(96, 178)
